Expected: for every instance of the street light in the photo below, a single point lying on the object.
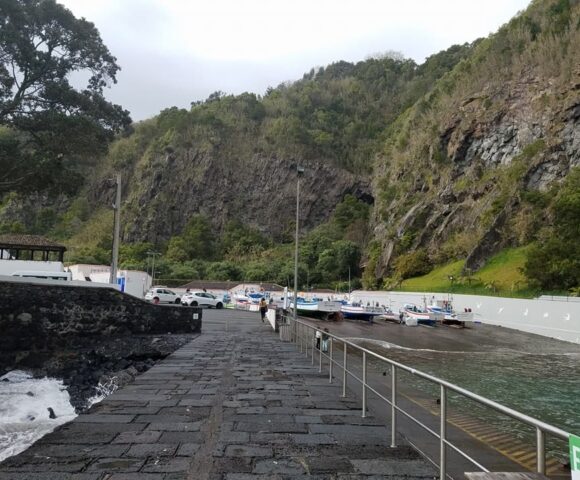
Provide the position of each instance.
(116, 232)
(153, 254)
(299, 172)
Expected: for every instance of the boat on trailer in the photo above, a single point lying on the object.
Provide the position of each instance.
(317, 308)
(361, 312)
(413, 315)
(443, 310)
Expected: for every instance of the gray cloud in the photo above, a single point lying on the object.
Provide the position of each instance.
(168, 59)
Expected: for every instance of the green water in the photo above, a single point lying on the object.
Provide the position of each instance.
(543, 386)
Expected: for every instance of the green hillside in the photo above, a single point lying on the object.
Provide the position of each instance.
(464, 166)
(502, 275)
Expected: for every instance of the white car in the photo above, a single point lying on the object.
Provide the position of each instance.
(199, 299)
(162, 295)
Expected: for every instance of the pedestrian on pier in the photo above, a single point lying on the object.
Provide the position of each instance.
(318, 336)
(325, 339)
(263, 308)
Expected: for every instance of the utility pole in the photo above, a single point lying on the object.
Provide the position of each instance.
(153, 255)
(349, 283)
(300, 171)
(116, 232)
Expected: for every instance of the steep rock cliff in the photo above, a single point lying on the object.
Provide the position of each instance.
(164, 191)
(455, 171)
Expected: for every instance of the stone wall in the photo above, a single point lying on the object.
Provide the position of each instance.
(46, 317)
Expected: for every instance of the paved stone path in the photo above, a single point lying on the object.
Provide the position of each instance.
(236, 405)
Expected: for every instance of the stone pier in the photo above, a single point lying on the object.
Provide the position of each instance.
(232, 405)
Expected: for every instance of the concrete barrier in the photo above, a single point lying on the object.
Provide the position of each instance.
(551, 318)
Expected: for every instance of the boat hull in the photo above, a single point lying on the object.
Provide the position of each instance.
(361, 313)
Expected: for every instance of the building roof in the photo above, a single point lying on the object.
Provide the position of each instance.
(228, 285)
(29, 242)
(212, 285)
(265, 286)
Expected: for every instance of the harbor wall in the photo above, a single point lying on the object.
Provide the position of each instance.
(558, 319)
(35, 316)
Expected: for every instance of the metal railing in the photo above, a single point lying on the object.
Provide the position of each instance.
(304, 335)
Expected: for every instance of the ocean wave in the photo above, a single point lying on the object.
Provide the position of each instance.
(24, 410)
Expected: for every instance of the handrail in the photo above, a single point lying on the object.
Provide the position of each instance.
(541, 427)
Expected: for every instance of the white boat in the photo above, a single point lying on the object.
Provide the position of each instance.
(316, 307)
(361, 312)
(413, 315)
(445, 313)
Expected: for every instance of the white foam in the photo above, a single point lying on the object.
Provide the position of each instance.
(103, 391)
(24, 415)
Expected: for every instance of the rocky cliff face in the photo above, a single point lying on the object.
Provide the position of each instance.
(164, 191)
(455, 174)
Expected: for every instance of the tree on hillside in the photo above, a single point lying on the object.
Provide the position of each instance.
(554, 262)
(41, 45)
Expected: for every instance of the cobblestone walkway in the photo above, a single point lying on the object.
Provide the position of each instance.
(234, 406)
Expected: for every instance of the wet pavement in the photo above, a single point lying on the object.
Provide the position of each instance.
(476, 337)
(234, 404)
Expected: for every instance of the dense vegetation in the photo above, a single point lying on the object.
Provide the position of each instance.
(519, 76)
(409, 127)
(48, 128)
(328, 254)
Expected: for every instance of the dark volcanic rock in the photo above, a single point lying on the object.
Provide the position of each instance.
(86, 335)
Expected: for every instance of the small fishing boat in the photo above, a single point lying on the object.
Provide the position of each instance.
(316, 307)
(444, 313)
(388, 316)
(361, 312)
(413, 315)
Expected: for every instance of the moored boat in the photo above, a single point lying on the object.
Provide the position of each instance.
(361, 312)
(317, 307)
(413, 315)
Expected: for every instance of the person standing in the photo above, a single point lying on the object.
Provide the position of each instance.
(263, 308)
(318, 336)
(325, 339)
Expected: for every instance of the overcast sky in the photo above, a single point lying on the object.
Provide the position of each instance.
(173, 52)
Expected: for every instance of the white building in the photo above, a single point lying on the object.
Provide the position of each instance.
(133, 282)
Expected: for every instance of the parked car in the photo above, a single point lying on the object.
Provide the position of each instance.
(162, 295)
(201, 299)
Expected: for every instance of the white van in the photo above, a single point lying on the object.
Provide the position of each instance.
(65, 276)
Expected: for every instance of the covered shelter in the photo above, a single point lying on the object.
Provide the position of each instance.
(30, 247)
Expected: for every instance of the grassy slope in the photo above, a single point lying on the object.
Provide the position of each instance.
(501, 276)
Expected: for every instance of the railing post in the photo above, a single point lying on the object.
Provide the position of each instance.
(364, 386)
(443, 435)
(320, 357)
(330, 361)
(313, 344)
(393, 406)
(540, 450)
(344, 369)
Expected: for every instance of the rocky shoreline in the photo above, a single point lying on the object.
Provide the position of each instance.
(97, 366)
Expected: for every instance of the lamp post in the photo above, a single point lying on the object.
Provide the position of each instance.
(116, 231)
(153, 254)
(300, 172)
